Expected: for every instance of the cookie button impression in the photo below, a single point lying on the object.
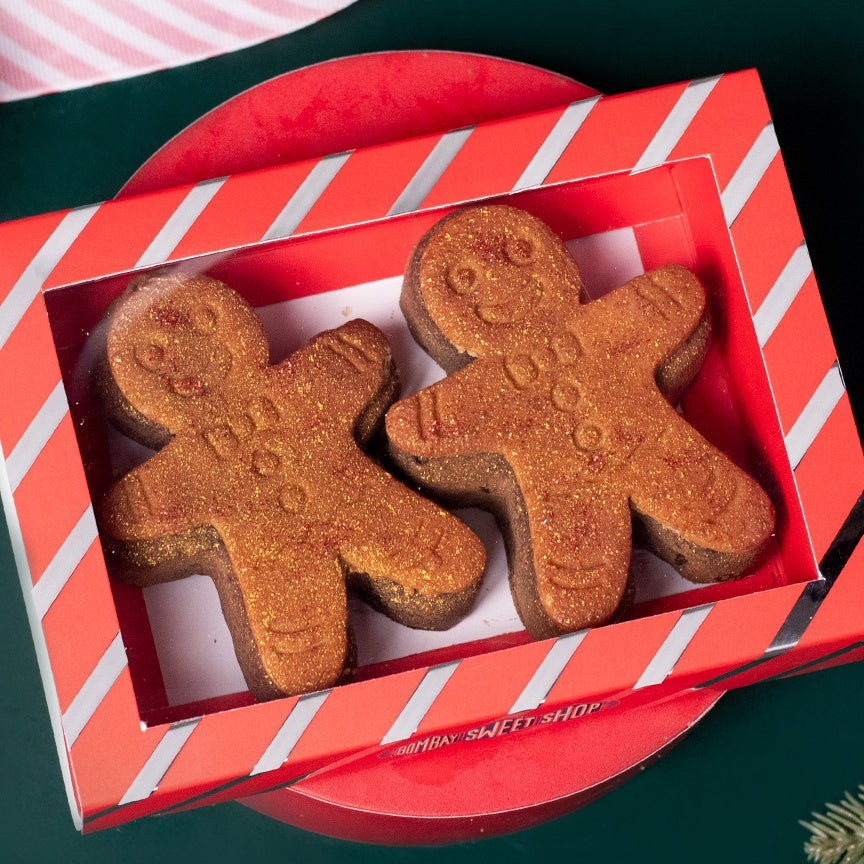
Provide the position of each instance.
(260, 482)
(557, 416)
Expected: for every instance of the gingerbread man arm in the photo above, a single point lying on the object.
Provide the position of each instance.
(452, 416)
(407, 555)
(698, 510)
(651, 315)
(355, 358)
(156, 531)
(141, 505)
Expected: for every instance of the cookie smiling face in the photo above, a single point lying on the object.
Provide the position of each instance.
(491, 281)
(187, 354)
(190, 366)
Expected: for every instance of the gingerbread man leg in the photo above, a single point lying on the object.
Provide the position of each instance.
(288, 619)
(574, 573)
(407, 556)
(698, 510)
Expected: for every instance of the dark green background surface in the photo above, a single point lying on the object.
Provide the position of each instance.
(766, 756)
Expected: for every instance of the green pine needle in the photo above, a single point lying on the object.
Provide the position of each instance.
(837, 837)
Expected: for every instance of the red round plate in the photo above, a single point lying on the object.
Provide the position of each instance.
(465, 790)
(477, 789)
(348, 103)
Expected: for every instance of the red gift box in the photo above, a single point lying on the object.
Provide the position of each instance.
(690, 173)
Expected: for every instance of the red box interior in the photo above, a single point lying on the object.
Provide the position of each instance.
(675, 214)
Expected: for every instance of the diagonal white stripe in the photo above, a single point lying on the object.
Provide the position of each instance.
(300, 10)
(30, 283)
(118, 30)
(303, 200)
(673, 646)
(16, 537)
(547, 673)
(119, 40)
(293, 15)
(36, 435)
(32, 63)
(421, 700)
(195, 26)
(121, 30)
(156, 767)
(64, 562)
(10, 91)
(320, 5)
(428, 174)
(751, 170)
(778, 300)
(279, 749)
(556, 142)
(180, 221)
(46, 671)
(65, 37)
(676, 123)
(811, 420)
(798, 619)
(95, 689)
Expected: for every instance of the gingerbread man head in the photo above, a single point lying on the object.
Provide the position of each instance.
(495, 279)
(187, 348)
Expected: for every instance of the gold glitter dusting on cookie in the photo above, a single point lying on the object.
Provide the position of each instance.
(262, 483)
(567, 395)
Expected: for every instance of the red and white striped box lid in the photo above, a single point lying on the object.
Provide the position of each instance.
(701, 159)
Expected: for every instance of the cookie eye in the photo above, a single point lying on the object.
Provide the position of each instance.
(151, 356)
(519, 250)
(461, 278)
(204, 318)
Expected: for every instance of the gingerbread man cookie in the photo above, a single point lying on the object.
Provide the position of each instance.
(555, 418)
(260, 481)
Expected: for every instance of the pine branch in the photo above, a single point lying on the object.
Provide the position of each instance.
(837, 837)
